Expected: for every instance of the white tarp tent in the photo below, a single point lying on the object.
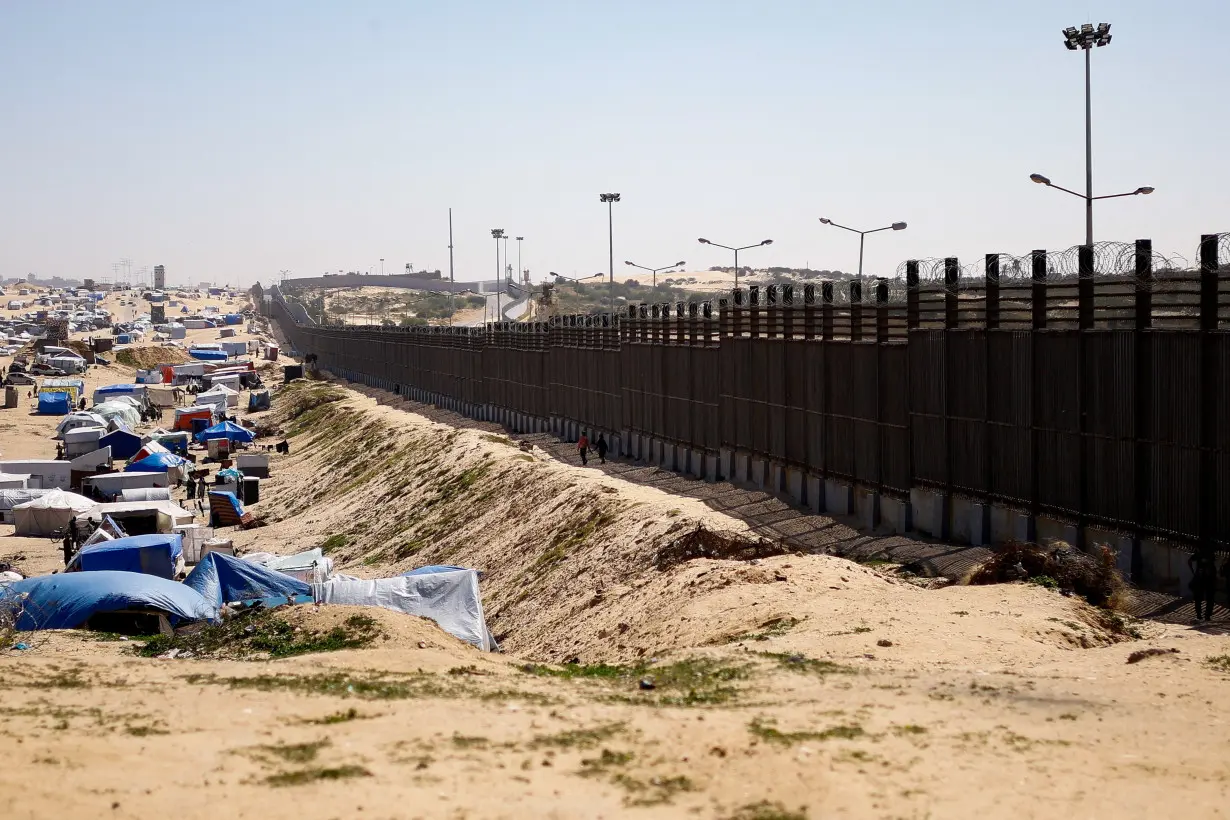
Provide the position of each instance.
(121, 410)
(230, 398)
(12, 498)
(82, 419)
(450, 598)
(50, 514)
(311, 567)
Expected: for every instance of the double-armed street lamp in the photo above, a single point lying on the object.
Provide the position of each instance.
(862, 237)
(704, 241)
(655, 271)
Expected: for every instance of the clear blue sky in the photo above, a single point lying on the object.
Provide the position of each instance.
(229, 140)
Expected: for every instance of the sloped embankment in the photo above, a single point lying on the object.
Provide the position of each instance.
(578, 564)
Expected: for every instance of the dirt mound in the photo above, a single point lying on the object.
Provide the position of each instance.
(1094, 577)
(150, 356)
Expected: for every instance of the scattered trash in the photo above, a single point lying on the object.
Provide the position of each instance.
(21, 647)
(422, 644)
(647, 684)
(884, 642)
(1059, 566)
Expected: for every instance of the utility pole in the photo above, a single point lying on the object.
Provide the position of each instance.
(452, 282)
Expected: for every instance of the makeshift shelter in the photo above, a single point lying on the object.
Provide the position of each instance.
(80, 419)
(225, 579)
(156, 463)
(50, 514)
(111, 485)
(226, 511)
(114, 411)
(258, 400)
(124, 444)
(157, 554)
(208, 355)
(144, 517)
(107, 392)
(174, 442)
(73, 599)
(82, 440)
(184, 416)
(53, 404)
(75, 388)
(146, 494)
(311, 566)
(214, 399)
(227, 430)
(230, 396)
(13, 482)
(12, 498)
(44, 473)
(450, 598)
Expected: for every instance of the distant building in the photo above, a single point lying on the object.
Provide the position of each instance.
(160, 277)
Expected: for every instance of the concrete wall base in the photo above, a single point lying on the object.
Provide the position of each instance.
(838, 497)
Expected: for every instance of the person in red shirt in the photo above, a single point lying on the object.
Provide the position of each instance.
(583, 448)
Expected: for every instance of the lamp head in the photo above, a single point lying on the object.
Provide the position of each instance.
(1146, 190)
(825, 220)
(767, 242)
(680, 264)
(626, 262)
(608, 197)
(899, 226)
(1038, 178)
(703, 241)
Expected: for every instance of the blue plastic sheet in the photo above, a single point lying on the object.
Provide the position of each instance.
(225, 579)
(227, 430)
(155, 463)
(149, 554)
(208, 355)
(54, 404)
(68, 600)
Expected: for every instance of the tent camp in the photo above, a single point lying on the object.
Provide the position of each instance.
(121, 411)
(50, 514)
(82, 419)
(157, 554)
(226, 430)
(69, 600)
(225, 579)
(53, 404)
(449, 597)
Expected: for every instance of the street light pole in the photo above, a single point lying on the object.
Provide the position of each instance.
(610, 200)
(862, 236)
(497, 234)
(1086, 38)
(382, 266)
(452, 282)
(519, 238)
(704, 241)
(654, 271)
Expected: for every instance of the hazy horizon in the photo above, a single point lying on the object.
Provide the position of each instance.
(232, 141)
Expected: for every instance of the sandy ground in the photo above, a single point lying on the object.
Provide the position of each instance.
(784, 686)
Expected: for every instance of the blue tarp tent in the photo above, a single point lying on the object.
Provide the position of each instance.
(68, 600)
(227, 430)
(155, 463)
(148, 554)
(225, 579)
(102, 394)
(124, 444)
(234, 319)
(184, 309)
(208, 355)
(54, 404)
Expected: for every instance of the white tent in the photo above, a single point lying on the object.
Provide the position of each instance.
(219, 395)
(75, 420)
(123, 411)
(50, 513)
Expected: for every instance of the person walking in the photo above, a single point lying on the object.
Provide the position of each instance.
(68, 546)
(601, 446)
(583, 448)
(1203, 583)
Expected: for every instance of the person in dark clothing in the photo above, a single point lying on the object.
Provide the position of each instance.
(1203, 583)
(583, 448)
(191, 488)
(601, 446)
(68, 547)
(59, 452)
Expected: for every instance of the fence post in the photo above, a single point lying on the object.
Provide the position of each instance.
(1037, 322)
(881, 311)
(911, 296)
(856, 311)
(726, 318)
(1208, 391)
(1084, 313)
(1143, 378)
(753, 299)
(809, 311)
(992, 300)
(952, 280)
(787, 293)
(1037, 293)
(826, 311)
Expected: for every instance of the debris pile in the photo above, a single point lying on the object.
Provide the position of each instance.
(1094, 577)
